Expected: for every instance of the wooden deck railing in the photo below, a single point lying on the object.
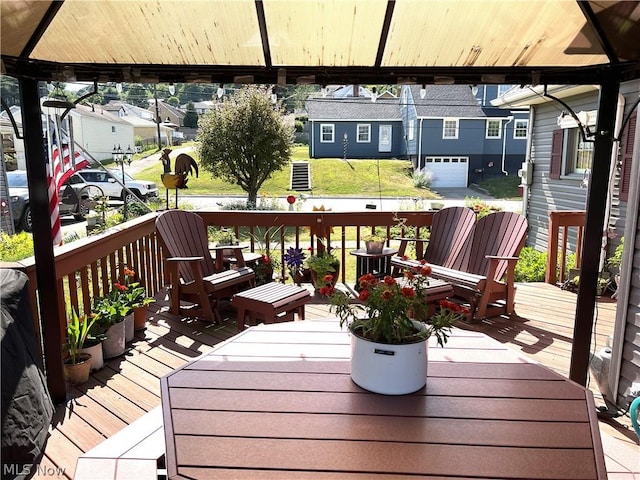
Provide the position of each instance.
(560, 224)
(87, 268)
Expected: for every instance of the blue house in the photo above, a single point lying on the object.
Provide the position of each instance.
(355, 127)
(450, 132)
(456, 136)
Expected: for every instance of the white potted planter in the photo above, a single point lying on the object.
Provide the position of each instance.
(114, 345)
(129, 330)
(95, 350)
(388, 369)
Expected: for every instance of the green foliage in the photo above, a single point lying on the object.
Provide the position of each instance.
(504, 186)
(481, 207)
(422, 179)
(616, 259)
(245, 140)
(77, 331)
(190, 117)
(531, 266)
(15, 247)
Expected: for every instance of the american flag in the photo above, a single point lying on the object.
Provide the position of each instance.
(59, 172)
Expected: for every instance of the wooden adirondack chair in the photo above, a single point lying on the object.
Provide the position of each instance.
(484, 271)
(449, 230)
(195, 276)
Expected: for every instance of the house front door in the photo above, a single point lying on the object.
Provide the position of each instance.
(384, 138)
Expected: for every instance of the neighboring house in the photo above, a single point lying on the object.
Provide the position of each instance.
(96, 130)
(558, 177)
(453, 132)
(169, 113)
(143, 123)
(200, 107)
(355, 127)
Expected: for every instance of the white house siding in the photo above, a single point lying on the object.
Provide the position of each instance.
(99, 135)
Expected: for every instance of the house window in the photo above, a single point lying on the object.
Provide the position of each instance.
(579, 154)
(450, 128)
(493, 128)
(520, 129)
(502, 89)
(411, 130)
(364, 133)
(327, 131)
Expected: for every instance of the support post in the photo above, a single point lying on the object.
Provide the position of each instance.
(50, 314)
(593, 230)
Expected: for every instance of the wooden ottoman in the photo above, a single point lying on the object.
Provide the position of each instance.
(272, 302)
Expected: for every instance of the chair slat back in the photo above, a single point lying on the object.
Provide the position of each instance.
(498, 234)
(184, 235)
(450, 229)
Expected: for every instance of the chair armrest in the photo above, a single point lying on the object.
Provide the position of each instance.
(498, 257)
(185, 259)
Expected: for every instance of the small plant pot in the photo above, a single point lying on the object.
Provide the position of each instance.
(140, 317)
(97, 359)
(77, 373)
(114, 345)
(374, 246)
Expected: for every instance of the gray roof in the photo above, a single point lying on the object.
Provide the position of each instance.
(353, 108)
(446, 101)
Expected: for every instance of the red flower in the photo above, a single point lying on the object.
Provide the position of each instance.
(364, 294)
(129, 273)
(426, 270)
(120, 287)
(389, 280)
(408, 292)
(327, 290)
(404, 257)
(327, 279)
(387, 294)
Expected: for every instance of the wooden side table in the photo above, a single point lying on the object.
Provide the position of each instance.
(378, 264)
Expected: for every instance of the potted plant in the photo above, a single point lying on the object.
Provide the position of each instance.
(135, 296)
(112, 310)
(390, 328)
(294, 259)
(267, 263)
(77, 364)
(374, 242)
(322, 265)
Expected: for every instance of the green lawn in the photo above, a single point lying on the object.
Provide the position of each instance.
(329, 177)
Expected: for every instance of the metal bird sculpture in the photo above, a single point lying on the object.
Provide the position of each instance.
(186, 165)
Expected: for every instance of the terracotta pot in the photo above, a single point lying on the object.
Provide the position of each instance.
(140, 317)
(77, 373)
(317, 281)
(114, 345)
(374, 247)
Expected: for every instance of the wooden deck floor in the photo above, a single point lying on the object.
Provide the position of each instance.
(128, 386)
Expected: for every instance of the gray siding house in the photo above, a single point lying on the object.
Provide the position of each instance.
(557, 178)
(454, 133)
(355, 127)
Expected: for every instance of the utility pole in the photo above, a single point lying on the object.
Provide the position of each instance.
(155, 97)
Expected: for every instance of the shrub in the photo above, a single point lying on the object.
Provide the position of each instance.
(15, 247)
(481, 207)
(422, 179)
(532, 265)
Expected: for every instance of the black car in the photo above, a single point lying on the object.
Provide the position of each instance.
(74, 199)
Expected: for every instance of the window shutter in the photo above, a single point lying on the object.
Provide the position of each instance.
(628, 140)
(556, 154)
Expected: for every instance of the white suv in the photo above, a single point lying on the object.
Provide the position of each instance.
(106, 180)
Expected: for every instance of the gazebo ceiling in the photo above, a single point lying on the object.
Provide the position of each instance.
(321, 41)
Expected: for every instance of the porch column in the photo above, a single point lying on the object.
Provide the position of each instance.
(594, 225)
(34, 145)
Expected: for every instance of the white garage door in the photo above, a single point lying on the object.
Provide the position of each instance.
(447, 171)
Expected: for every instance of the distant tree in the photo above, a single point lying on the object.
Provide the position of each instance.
(194, 92)
(9, 90)
(173, 101)
(137, 95)
(245, 140)
(190, 117)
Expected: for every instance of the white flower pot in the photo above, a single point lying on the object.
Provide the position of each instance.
(97, 359)
(388, 369)
(114, 345)
(129, 331)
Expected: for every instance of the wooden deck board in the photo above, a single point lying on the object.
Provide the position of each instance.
(169, 342)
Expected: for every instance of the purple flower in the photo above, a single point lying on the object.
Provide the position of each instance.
(294, 257)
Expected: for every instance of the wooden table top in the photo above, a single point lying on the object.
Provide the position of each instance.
(277, 402)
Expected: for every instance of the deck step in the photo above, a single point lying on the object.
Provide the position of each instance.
(137, 451)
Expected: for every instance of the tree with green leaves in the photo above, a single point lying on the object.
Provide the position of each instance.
(245, 140)
(190, 117)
